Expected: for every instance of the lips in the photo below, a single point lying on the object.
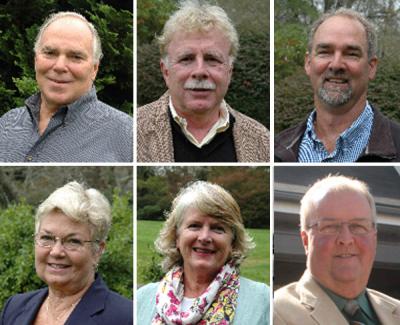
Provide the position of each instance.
(203, 250)
(345, 255)
(336, 80)
(57, 81)
(58, 266)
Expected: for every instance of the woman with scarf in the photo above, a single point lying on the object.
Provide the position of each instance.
(203, 242)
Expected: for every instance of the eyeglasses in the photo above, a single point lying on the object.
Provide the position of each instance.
(69, 243)
(332, 227)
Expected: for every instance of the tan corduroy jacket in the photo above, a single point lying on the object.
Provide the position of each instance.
(306, 303)
(154, 135)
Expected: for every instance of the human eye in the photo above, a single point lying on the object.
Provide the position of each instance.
(186, 59)
(77, 57)
(328, 227)
(219, 229)
(360, 228)
(46, 238)
(49, 52)
(73, 242)
(193, 226)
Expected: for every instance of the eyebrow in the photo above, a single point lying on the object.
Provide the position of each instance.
(347, 47)
(68, 235)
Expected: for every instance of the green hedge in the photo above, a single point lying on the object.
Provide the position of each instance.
(249, 89)
(17, 265)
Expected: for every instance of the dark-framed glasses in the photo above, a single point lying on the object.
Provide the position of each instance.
(358, 227)
(70, 243)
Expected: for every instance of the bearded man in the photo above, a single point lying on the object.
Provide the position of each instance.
(344, 127)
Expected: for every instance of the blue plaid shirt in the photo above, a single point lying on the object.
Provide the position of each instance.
(349, 145)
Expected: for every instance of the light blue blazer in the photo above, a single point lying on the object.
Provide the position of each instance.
(252, 305)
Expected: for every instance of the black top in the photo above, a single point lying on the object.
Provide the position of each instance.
(220, 149)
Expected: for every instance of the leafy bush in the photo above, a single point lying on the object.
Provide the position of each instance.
(17, 265)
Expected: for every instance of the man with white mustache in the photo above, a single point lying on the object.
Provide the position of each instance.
(192, 122)
(344, 127)
(338, 228)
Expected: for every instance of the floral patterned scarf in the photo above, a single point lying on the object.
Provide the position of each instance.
(215, 306)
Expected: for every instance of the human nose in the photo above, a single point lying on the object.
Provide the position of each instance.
(60, 63)
(57, 248)
(200, 70)
(205, 235)
(336, 62)
(345, 236)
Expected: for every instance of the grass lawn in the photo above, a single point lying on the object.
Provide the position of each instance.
(255, 266)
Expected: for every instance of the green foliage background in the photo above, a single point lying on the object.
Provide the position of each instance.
(249, 89)
(19, 23)
(17, 266)
(157, 187)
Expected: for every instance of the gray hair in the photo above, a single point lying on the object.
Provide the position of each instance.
(329, 184)
(87, 206)
(96, 42)
(369, 27)
(212, 200)
(197, 15)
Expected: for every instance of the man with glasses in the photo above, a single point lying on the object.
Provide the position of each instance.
(192, 122)
(339, 235)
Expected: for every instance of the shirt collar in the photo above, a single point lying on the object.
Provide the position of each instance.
(68, 112)
(221, 125)
(361, 299)
(349, 135)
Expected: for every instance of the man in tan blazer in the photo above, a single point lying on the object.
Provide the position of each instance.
(339, 235)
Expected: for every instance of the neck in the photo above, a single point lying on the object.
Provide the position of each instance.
(331, 122)
(195, 283)
(200, 123)
(45, 114)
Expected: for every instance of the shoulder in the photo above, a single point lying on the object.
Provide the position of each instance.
(19, 304)
(254, 287)
(146, 303)
(111, 112)
(14, 114)
(381, 297)
(147, 292)
(150, 112)
(245, 122)
(283, 294)
(253, 303)
(288, 135)
(119, 302)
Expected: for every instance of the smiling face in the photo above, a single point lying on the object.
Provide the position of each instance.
(64, 64)
(198, 71)
(338, 65)
(204, 243)
(67, 271)
(343, 262)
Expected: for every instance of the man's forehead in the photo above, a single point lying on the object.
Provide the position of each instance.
(347, 25)
(188, 40)
(69, 22)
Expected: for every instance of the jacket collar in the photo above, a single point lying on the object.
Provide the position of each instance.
(380, 146)
(381, 142)
(69, 112)
(316, 300)
(92, 302)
